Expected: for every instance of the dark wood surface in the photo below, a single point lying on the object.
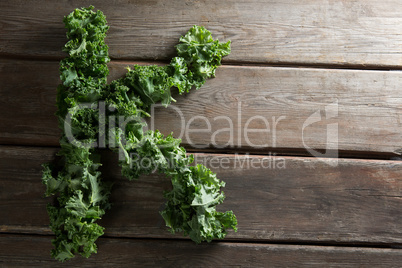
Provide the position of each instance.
(290, 60)
(275, 198)
(17, 251)
(368, 113)
(276, 32)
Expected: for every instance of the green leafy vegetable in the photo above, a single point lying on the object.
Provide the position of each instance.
(191, 204)
(82, 195)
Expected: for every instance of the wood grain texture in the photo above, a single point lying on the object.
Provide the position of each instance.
(275, 32)
(281, 202)
(250, 108)
(288, 199)
(33, 251)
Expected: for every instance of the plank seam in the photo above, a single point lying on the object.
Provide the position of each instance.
(367, 245)
(228, 63)
(282, 152)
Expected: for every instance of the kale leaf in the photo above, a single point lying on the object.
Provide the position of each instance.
(82, 195)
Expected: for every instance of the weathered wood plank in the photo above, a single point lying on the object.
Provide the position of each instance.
(303, 32)
(18, 251)
(354, 110)
(275, 198)
(28, 102)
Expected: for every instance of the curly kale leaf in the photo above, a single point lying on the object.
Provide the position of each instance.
(88, 53)
(191, 205)
(82, 196)
(202, 53)
(72, 234)
(198, 57)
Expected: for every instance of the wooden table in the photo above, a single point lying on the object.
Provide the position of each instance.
(303, 122)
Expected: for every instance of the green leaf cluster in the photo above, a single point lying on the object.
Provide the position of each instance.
(82, 196)
(75, 180)
(191, 205)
